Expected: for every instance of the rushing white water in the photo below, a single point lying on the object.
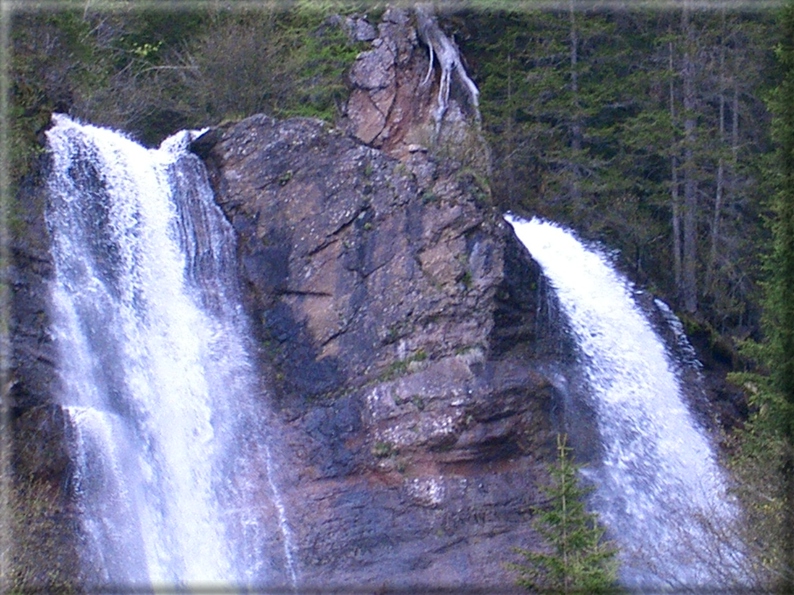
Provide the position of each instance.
(659, 489)
(154, 367)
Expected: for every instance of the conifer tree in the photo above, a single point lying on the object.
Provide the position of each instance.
(765, 464)
(779, 306)
(579, 560)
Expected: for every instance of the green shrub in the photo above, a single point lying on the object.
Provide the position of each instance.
(579, 560)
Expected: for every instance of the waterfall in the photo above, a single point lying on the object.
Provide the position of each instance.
(658, 487)
(153, 361)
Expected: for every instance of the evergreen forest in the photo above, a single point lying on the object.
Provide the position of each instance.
(664, 131)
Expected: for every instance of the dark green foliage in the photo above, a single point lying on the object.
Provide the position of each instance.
(49, 64)
(779, 305)
(83, 63)
(155, 70)
(579, 560)
(401, 366)
(755, 466)
(278, 62)
(591, 144)
(559, 148)
(41, 557)
(324, 56)
(382, 449)
(764, 459)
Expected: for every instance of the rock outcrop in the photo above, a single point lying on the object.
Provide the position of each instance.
(398, 323)
(397, 106)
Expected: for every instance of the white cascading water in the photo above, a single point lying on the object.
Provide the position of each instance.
(153, 361)
(659, 489)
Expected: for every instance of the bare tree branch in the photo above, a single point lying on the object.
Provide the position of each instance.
(448, 58)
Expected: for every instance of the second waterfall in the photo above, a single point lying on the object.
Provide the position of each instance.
(659, 489)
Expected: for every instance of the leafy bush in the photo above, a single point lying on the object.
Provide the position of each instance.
(154, 71)
(234, 64)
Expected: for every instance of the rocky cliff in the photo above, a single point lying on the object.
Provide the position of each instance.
(408, 351)
(396, 316)
(397, 326)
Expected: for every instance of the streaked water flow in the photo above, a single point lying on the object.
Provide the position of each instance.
(660, 491)
(154, 366)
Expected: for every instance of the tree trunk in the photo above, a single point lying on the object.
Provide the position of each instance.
(510, 136)
(576, 123)
(443, 49)
(675, 198)
(689, 288)
(787, 580)
(718, 198)
(735, 130)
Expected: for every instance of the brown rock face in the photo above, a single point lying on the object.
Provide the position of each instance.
(395, 94)
(399, 324)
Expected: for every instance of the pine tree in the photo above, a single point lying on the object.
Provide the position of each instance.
(779, 306)
(579, 560)
(765, 463)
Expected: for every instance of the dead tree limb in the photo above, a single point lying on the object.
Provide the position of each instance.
(446, 51)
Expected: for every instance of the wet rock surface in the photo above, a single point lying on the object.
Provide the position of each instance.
(33, 355)
(43, 518)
